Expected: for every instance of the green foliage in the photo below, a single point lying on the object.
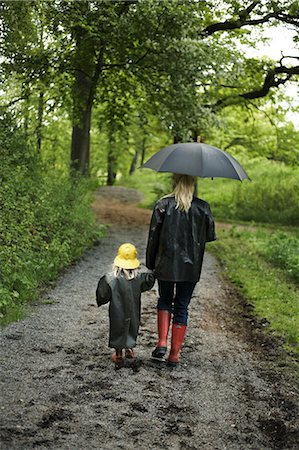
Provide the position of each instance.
(218, 193)
(56, 142)
(46, 220)
(152, 185)
(132, 58)
(250, 132)
(282, 250)
(271, 197)
(263, 284)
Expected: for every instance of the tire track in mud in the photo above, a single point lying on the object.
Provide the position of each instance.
(60, 390)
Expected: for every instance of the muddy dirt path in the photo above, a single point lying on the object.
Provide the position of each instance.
(60, 390)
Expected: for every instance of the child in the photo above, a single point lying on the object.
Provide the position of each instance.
(123, 288)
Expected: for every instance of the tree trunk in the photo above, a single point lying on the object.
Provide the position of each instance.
(81, 128)
(111, 161)
(134, 163)
(83, 100)
(40, 111)
(143, 147)
(39, 126)
(26, 117)
(196, 138)
(88, 66)
(143, 122)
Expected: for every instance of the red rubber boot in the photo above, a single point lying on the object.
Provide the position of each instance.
(117, 355)
(164, 318)
(177, 339)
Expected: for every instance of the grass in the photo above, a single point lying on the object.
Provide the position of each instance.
(268, 286)
(153, 185)
(13, 313)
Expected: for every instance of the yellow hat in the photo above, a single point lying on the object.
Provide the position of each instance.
(127, 257)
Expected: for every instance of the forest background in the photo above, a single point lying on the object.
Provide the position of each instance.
(91, 89)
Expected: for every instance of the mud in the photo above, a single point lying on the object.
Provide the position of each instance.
(61, 391)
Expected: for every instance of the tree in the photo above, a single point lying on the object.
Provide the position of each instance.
(256, 13)
(257, 132)
(274, 77)
(180, 57)
(31, 75)
(112, 36)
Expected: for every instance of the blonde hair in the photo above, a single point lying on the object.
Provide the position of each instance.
(183, 191)
(129, 274)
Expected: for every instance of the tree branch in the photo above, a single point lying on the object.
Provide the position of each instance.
(245, 20)
(272, 79)
(129, 61)
(12, 102)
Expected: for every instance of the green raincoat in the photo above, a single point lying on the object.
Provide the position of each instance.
(124, 309)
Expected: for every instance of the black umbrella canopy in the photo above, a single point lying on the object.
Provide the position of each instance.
(198, 160)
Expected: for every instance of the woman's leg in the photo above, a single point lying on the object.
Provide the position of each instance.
(184, 291)
(166, 295)
(166, 292)
(182, 300)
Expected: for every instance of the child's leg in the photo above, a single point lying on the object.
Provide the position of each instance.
(117, 355)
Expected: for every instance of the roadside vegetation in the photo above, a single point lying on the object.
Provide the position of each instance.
(263, 264)
(46, 226)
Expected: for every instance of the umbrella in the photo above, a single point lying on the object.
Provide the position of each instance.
(198, 160)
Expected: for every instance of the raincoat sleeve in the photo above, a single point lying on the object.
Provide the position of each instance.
(147, 281)
(153, 237)
(103, 293)
(210, 226)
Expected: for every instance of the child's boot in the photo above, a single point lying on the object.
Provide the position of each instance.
(117, 355)
(164, 318)
(129, 353)
(177, 338)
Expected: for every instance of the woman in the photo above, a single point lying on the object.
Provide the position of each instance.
(181, 224)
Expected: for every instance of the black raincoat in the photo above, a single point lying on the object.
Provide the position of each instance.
(176, 241)
(124, 309)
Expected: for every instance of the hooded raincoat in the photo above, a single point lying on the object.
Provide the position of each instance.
(124, 309)
(176, 241)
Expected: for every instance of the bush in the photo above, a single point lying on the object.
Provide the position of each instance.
(282, 251)
(46, 220)
(152, 184)
(271, 197)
